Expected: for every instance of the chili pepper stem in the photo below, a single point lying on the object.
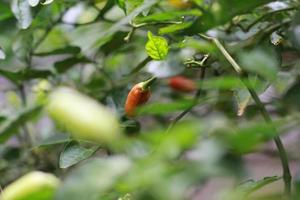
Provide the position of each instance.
(282, 152)
(146, 84)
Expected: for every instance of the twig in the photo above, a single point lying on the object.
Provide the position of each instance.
(268, 15)
(47, 31)
(197, 63)
(264, 112)
(196, 97)
(29, 137)
(140, 66)
(1, 191)
(129, 35)
(137, 26)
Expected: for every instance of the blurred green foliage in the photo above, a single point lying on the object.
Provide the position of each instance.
(178, 142)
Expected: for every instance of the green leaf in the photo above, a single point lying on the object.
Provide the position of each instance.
(22, 45)
(246, 139)
(114, 44)
(11, 126)
(263, 62)
(25, 74)
(125, 197)
(157, 47)
(22, 12)
(294, 31)
(297, 185)
(94, 179)
(56, 39)
(131, 127)
(29, 74)
(174, 28)
(245, 190)
(54, 140)
(2, 54)
(226, 11)
(198, 2)
(243, 96)
(202, 46)
(181, 137)
(2, 118)
(73, 153)
(121, 4)
(163, 108)
(167, 16)
(133, 4)
(251, 186)
(223, 82)
(5, 12)
(222, 11)
(105, 35)
(64, 65)
(66, 50)
(291, 98)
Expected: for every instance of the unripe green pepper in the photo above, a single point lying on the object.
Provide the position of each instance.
(32, 186)
(83, 117)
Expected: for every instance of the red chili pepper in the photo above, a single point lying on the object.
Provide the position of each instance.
(182, 84)
(138, 95)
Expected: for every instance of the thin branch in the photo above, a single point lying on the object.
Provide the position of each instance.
(23, 95)
(196, 97)
(259, 19)
(269, 14)
(1, 191)
(29, 137)
(236, 67)
(197, 63)
(47, 31)
(134, 27)
(140, 66)
(129, 35)
(264, 112)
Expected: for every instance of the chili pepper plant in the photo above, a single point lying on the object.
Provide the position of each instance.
(149, 99)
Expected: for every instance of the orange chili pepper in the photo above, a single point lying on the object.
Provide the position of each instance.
(138, 95)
